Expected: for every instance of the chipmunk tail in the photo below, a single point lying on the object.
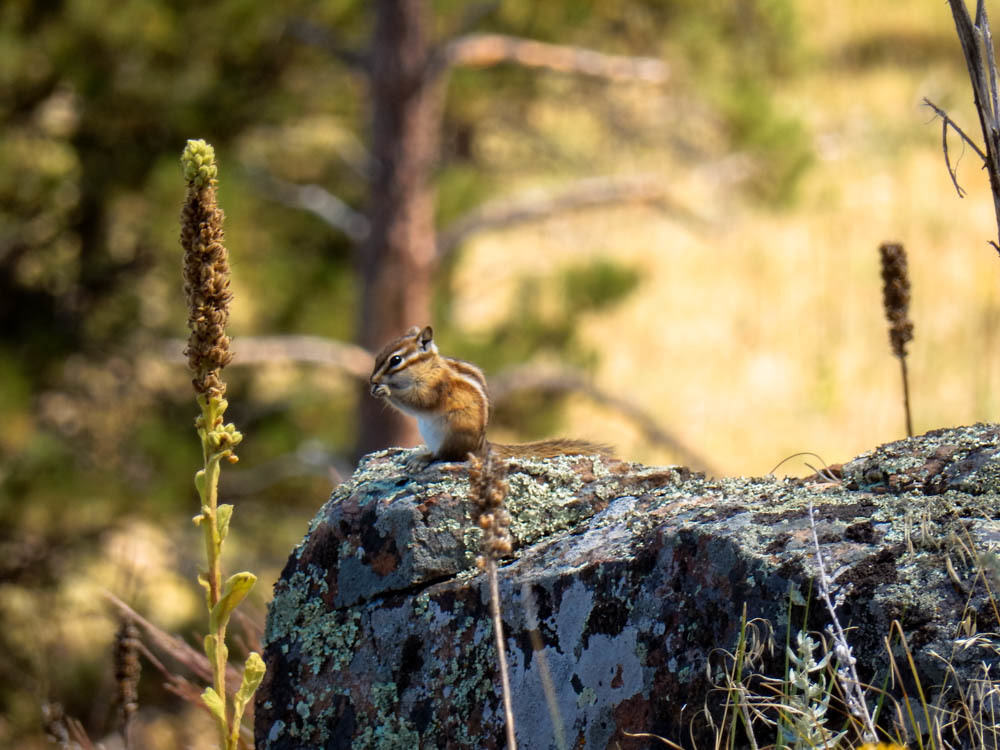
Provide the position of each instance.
(551, 448)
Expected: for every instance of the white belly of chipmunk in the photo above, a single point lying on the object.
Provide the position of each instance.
(433, 431)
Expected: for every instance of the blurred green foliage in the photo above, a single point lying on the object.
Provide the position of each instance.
(96, 100)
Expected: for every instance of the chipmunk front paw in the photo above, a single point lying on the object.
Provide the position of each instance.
(419, 460)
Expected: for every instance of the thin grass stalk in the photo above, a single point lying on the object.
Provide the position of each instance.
(902, 686)
(916, 678)
(551, 703)
(736, 687)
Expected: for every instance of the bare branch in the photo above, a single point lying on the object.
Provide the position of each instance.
(357, 362)
(311, 459)
(316, 200)
(173, 646)
(947, 122)
(977, 47)
(486, 50)
(588, 193)
(254, 350)
(560, 382)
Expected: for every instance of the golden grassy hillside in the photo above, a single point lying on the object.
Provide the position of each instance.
(761, 333)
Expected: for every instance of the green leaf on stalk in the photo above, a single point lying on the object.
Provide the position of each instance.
(234, 591)
(222, 515)
(215, 705)
(253, 673)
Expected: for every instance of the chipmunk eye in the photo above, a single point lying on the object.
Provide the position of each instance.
(395, 360)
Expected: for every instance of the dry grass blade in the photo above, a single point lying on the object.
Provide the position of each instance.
(531, 620)
(647, 736)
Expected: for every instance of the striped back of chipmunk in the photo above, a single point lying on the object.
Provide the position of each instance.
(472, 377)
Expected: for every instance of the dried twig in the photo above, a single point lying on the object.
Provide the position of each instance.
(357, 362)
(847, 672)
(484, 50)
(172, 646)
(947, 122)
(548, 381)
(318, 201)
(65, 730)
(977, 47)
(592, 192)
(256, 350)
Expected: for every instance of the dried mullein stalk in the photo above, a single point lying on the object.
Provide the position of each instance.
(127, 672)
(896, 300)
(488, 486)
(206, 282)
(206, 271)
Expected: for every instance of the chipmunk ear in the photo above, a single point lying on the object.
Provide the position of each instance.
(426, 339)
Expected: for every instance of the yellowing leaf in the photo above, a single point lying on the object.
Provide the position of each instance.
(253, 673)
(234, 591)
(215, 705)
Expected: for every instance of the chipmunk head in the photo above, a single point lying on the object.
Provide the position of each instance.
(400, 365)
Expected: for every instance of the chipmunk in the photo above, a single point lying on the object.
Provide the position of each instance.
(448, 398)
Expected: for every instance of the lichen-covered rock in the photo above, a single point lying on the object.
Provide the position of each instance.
(632, 577)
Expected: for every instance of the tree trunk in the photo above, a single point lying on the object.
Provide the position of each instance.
(398, 258)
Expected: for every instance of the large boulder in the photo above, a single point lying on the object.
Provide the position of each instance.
(626, 582)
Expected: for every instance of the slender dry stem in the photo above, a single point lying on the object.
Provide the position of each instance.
(508, 708)
(489, 488)
(846, 670)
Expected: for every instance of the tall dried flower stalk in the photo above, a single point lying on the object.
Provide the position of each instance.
(127, 672)
(896, 301)
(489, 488)
(206, 283)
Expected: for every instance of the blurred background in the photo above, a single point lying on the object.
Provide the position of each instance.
(669, 245)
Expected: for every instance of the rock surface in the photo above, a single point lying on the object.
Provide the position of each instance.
(633, 577)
